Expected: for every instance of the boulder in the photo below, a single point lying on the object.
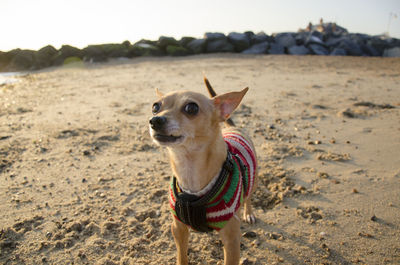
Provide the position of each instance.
(239, 40)
(211, 36)
(333, 42)
(315, 37)
(249, 35)
(116, 50)
(318, 49)
(351, 47)
(285, 39)
(392, 52)
(164, 41)
(259, 48)
(102, 52)
(300, 38)
(298, 50)
(173, 50)
(338, 52)
(45, 57)
(65, 52)
(94, 54)
(21, 60)
(260, 37)
(380, 43)
(197, 46)
(5, 58)
(276, 48)
(144, 49)
(219, 45)
(369, 50)
(184, 41)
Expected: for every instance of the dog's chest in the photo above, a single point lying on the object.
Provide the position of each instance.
(238, 184)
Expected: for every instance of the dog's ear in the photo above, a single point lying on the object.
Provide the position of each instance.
(158, 93)
(227, 103)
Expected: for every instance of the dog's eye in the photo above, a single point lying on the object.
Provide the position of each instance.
(191, 108)
(156, 108)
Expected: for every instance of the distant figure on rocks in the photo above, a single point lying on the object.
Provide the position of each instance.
(309, 27)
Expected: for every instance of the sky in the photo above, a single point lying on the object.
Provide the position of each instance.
(32, 24)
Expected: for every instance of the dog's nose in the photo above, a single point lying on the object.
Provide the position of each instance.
(158, 122)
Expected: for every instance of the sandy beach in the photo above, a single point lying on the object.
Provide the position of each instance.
(82, 183)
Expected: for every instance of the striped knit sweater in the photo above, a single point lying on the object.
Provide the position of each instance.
(230, 196)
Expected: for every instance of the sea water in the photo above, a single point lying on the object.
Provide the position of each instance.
(9, 78)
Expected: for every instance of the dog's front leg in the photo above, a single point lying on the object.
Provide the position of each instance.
(230, 236)
(181, 236)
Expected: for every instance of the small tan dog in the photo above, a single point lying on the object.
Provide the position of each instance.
(214, 170)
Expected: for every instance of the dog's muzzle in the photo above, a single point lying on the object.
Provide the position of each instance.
(159, 126)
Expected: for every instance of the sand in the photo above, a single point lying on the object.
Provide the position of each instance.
(82, 183)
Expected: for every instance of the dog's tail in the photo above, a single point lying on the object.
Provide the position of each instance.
(212, 93)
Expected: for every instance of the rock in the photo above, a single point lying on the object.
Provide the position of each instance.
(285, 39)
(274, 236)
(249, 35)
(298, 50)
(45, 57)
(197, 46)
(102, 52)
(276, 48)
(315, 37)
(21, 60)
(5, 58)
(211, 36)
(184, 41)
(351, 47)
(117, 50)
(369, 50)
(144, 49)
(301, 38)
(94, 54)
(217, 42)
(318, 49)
(333, 42)
(239, 40)
(392, 52)
(173, 50)
(379, 43)
(163, 42)
(259, 48)
(374, 218)
(260, 37)
(338, 52)
(219, 45)
(249, 234)
(245, 261)
(65, 52)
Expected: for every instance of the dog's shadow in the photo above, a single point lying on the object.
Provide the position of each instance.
(272, 233)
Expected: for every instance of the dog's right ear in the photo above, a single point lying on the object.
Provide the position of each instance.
(158, 93)
(227, 103)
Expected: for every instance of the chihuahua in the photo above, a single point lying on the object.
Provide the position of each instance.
(214, 169)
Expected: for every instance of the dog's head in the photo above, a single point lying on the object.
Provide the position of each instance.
(190, 119)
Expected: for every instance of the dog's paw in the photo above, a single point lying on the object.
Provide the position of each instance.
(249, 218)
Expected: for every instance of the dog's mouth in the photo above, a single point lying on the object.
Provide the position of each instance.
(163, 138)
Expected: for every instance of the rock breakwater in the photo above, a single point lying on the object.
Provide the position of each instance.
(321, 39)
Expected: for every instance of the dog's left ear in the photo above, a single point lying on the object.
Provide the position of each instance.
(227, 103)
